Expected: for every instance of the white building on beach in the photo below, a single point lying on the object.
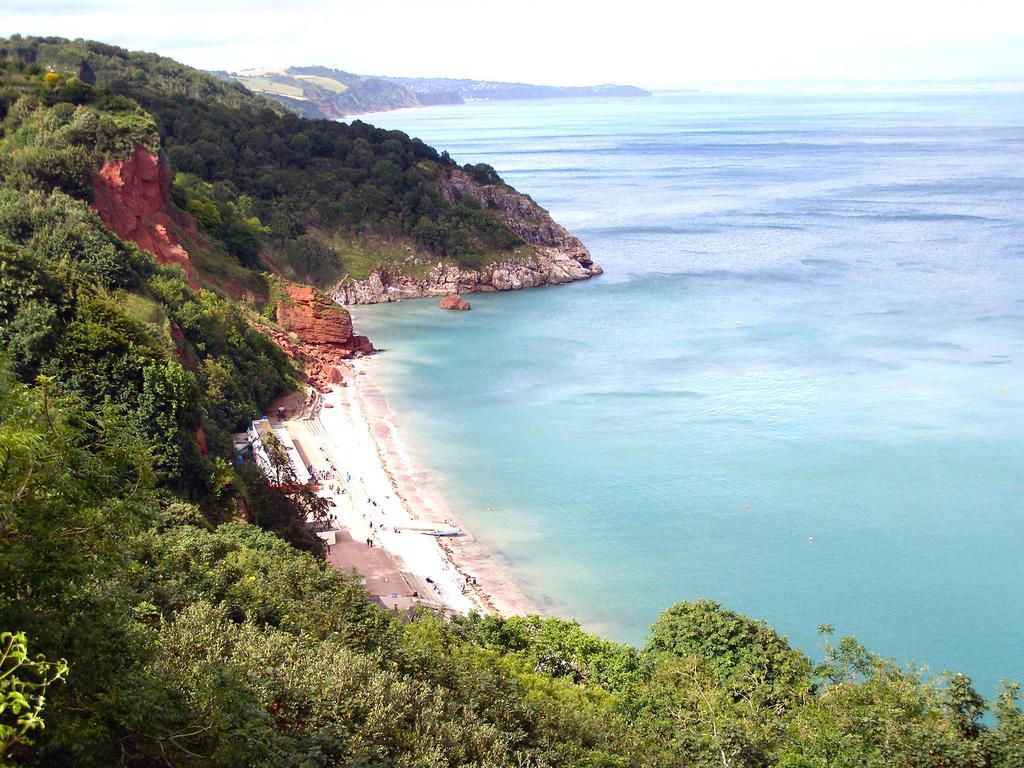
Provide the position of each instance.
(258, 432)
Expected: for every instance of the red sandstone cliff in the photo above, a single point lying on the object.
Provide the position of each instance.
(313, 317)
(132, 198)
(316, 332)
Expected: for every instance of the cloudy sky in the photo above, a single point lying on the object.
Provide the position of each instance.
(646, 42)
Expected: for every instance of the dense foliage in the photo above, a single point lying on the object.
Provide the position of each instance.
(331, 182)
(164, 632)
(100, 319)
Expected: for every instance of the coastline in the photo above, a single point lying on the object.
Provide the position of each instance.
(379, 494)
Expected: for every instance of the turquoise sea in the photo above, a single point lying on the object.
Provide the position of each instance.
(798, 389)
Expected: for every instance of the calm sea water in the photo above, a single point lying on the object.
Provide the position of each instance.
(798, 389)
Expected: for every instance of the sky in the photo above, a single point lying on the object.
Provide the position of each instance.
(563, 42)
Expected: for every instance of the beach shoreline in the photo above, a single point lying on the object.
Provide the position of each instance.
(386, 509)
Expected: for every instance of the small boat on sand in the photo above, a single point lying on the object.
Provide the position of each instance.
(434, 530)
(445, 532)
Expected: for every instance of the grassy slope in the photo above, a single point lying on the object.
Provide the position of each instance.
(327, 83)
(269, 85)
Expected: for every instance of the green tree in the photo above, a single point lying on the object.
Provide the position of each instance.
(747, 656)
(167, 409)
(1005, 743)
(23, 683)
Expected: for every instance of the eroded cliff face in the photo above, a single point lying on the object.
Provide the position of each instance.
(132, 197)
(555, 257)
(316, 332)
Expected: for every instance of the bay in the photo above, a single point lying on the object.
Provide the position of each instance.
(798, 389)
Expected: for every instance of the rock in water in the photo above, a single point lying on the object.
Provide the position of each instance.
(454, 301)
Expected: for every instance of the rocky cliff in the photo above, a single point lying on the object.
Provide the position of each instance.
(316, 332)
(131, 195)
(555, 256)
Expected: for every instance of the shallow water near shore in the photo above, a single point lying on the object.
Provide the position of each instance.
(798, 389)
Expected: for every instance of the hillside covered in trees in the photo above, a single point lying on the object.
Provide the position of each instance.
(313, 200)
(160, 605)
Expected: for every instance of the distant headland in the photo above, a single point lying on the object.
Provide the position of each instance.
(322, 92)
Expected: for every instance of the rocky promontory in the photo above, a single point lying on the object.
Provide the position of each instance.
(315, 332)
(322, 92)
(553, 257)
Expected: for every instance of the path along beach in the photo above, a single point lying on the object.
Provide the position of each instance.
(384, 507)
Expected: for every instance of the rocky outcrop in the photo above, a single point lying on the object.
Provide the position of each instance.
(132, 197)
(315, 332)
(555, 256)
(313, 318)
(454, 302)
(521, 214)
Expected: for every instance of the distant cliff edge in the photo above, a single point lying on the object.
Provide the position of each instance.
(322, 92)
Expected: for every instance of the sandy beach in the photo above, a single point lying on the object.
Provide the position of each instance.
(385, 508)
